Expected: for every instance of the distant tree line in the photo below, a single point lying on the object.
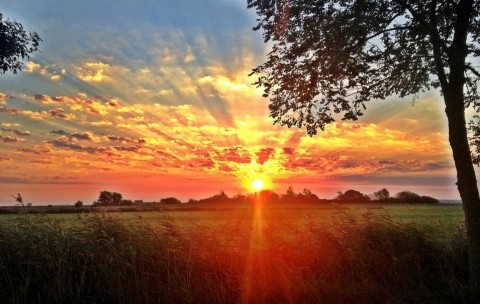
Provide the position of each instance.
(382, 196)
(306, 196)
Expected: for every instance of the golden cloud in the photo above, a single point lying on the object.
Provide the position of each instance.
(93, 71)
(3, 98)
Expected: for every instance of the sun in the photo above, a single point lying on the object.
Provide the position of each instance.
(258, 184)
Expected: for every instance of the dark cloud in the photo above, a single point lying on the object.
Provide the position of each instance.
(9, 139)
(235, 154)
(60, 132)
(112, 103)
(32, 151)
(17, 132)
(88, 136)
(41, 97)
(264, 154)
(294, 140)
(60, 99)
(58, 113)
(304, 163)
(14, 180)
(165, 154)
(9, 110)
(65, 144)
(82, 136)
(396, 180)
(126, 140)
(127, 149)
(225, 168)
(42, 161)
(288, 150)
(406, 166)
(202, 161)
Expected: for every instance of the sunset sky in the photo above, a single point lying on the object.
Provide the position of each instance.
(153, 99)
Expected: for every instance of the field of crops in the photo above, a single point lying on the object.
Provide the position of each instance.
(250, 254)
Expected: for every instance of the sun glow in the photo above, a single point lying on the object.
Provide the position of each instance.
(258, 184)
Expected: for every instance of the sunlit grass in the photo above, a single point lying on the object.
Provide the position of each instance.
(250, 255)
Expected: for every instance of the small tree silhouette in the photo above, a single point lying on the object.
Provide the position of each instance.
(19, 200)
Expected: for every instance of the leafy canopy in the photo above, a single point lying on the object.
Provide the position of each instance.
(329, 58)
(15, 45)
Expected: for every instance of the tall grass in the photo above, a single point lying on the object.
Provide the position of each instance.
(106, 259)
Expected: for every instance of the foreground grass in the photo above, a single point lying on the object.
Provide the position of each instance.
(103, 258)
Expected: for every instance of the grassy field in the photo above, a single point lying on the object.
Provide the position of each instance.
(250, 254)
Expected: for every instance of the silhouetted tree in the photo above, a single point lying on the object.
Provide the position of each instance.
(170, 201)
(309, 197)
(109, 198)
(192, 201)
(331, 57)
(307, 192)
(126, 202)
(79, 204)
(429, 200)
(116, 198)
(408, 197)
(381, 194)
(290, 196)
(268, 196)
(15, 45)
(352, 196)
(105, 198)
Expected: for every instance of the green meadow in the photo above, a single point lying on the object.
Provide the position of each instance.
(225, 254)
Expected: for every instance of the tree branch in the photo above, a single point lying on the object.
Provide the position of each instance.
(437, 47)
(472, 69)
(416, 15)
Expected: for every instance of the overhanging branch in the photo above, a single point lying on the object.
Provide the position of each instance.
(472, 69)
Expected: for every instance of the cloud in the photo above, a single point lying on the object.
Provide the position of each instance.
(32, 67)
(264, 154)
(59, 132)
(92, 71)
(235, 154)
(76, 136)
(10, 125)
(87, 136)
(63, 143)
(4, 158)
(48, 71)
(97, 106)
(99, 71)
(60, 113)
(125, 140)
(49, 99)
(9, 139)
(39, 115)
(288, 151)
(17, 132)
(3, 98)
(34, 151)
(9, 110)
(225, 168)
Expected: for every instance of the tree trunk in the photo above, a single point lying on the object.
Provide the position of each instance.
(466, 183)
